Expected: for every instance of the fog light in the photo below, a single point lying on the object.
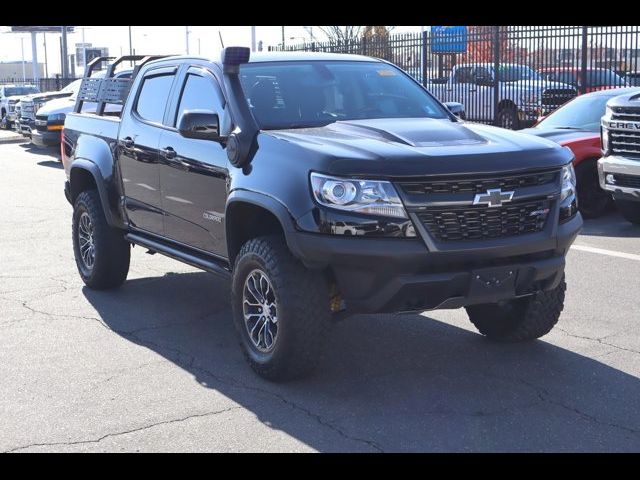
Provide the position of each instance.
(610, 179)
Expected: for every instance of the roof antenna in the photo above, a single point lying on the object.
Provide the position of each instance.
(221, 42)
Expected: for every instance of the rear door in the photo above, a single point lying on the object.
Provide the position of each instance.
(194, 172)
(138, 142)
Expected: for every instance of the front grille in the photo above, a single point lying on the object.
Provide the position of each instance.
(481, 222)
(557, 96)
(478, 185)
(28, 110)
(629, 181)
(625, 113)
(621, 141)
(43, 127)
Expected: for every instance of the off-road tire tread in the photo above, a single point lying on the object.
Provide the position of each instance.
(538, 317)
(113, 252)
(304, 296)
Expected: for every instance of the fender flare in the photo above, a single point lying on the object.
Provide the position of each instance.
(273, 206)
(94, 171)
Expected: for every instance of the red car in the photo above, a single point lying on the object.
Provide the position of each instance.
(577, 125)
(597, 78)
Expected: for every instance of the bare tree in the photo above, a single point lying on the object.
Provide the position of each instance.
(342, 34)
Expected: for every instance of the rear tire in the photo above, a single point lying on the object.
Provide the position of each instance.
(102, 254)
(296, 297)
(629, 210)
(593, 201)
(520, 319)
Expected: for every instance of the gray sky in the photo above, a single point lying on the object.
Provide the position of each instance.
(153, 40)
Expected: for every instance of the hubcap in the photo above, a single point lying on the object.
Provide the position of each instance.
(85, 241)
(260, 311)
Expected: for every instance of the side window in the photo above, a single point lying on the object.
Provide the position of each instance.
(482, 73)
(153, 98)
(463, 75)
(202, 93)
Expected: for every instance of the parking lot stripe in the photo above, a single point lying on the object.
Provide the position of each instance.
(602, 251)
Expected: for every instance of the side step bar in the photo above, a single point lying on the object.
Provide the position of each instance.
(195, 259)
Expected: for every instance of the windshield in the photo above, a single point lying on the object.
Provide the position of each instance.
(302, 94)
(514, 73)
(9, 91)
(581, 113)
(73, 87)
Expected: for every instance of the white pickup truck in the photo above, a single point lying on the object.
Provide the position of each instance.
(524, 95)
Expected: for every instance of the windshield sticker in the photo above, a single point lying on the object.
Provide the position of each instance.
(386, 73)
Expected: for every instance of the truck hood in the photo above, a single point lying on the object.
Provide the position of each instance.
(423, 146)
(58, 105)
(535, 85)
(559, 135)
(46, 96)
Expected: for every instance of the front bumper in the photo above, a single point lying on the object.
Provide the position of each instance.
(25, 126)
(376, 275)
(619, 165)
(45, 139)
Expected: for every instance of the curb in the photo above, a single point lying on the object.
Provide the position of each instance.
(13, 139)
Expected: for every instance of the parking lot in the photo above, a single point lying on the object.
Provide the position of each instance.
(155, 365)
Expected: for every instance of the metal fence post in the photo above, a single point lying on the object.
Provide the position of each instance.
(424, 58)
(583, 66)
(364, 45)
(496, 69)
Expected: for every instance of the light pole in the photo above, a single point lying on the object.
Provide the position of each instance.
(253, 39)
(186, 31)
(130, 43)
(24, 75)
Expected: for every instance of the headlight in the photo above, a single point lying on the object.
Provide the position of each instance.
(371, 197)
(530, 97)
(568, 181)
(56, 118)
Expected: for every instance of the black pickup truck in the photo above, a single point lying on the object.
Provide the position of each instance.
(322, 185)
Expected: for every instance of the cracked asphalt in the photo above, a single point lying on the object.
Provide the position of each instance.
(155, 365)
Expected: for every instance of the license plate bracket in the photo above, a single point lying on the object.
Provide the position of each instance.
(493, 281)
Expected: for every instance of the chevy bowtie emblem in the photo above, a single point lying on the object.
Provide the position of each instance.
(493, 198)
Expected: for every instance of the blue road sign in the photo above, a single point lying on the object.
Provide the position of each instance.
(448, 39)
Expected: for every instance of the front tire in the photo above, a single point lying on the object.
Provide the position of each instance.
(629, 210)
(280, 310)
(520, 319)
(102, 254)
(593, 201)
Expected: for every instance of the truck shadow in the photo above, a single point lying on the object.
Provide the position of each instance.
(610, 225)
(391, 383)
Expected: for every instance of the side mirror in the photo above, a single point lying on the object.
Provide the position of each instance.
(201, 124)
(456, 108)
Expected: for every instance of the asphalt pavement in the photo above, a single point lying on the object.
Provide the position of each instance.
(155, 365)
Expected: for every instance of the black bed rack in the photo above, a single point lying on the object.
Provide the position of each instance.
(107, 89)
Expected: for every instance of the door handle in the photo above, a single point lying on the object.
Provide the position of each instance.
(128, 142)
(169, 153)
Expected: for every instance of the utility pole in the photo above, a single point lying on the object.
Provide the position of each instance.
(46, 62)
(130, 44)
(65, 65)
(34, 58)
(198, 45)
(253, 39)
(186, 31)
(283, 37)
(24, 75)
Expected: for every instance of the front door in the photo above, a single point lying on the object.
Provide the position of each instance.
(138, 151)
(193, 172)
